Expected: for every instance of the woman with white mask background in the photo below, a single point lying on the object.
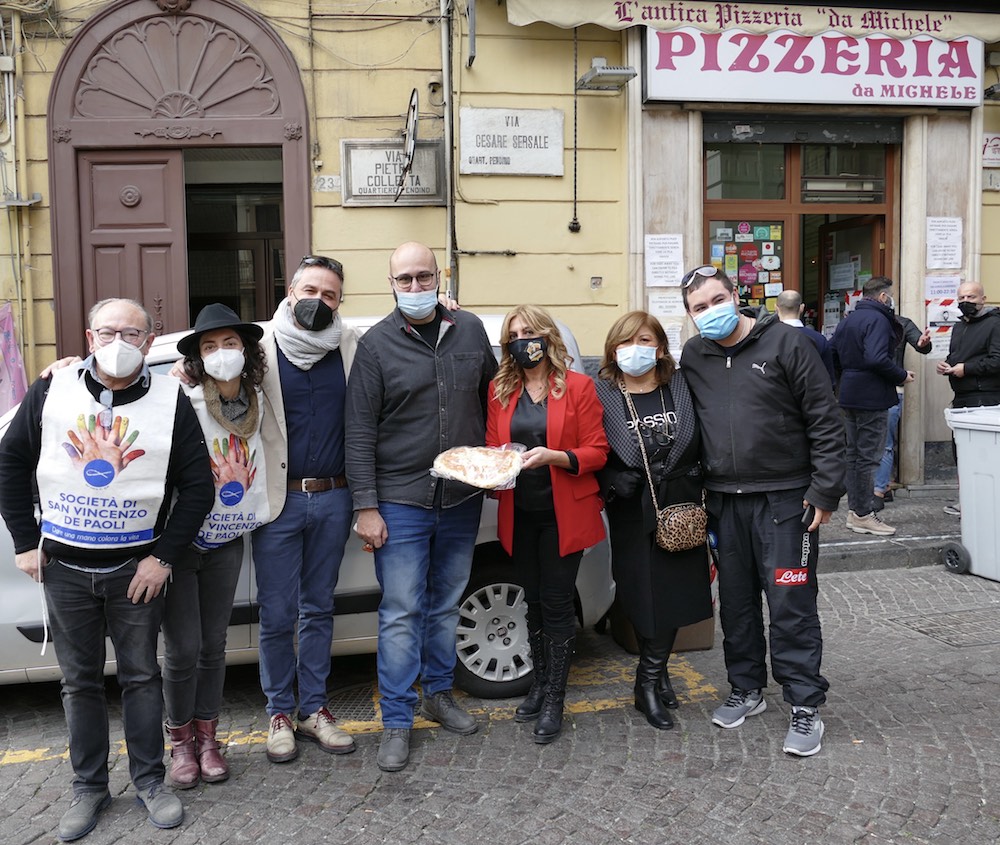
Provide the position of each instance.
(224, 359)
(647, 404)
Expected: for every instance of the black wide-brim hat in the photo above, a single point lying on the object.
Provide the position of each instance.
(216, 316)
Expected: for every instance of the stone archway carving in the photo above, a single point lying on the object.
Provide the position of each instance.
(160, 76)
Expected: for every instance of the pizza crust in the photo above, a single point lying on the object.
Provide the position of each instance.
(480, 466)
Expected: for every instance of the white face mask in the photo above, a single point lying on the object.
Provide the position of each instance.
(417, 305)
(119, 359)
(224, 364)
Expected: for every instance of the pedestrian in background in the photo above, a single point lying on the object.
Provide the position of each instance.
(865, 348)
(224, 357)
(647, 404)
(790, 307)
(554, 511)
(921, 342)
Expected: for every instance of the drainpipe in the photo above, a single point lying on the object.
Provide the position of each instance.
(451, 259)
(27, 286)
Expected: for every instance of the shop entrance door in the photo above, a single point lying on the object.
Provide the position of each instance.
(852, 250)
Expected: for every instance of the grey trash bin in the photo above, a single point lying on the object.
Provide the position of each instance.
(977, 438)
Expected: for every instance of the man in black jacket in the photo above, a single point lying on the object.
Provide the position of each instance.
(973, 362)
(865, 347)
(772, 455)
(124, 484)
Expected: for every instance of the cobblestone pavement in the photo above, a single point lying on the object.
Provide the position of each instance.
(911, 752)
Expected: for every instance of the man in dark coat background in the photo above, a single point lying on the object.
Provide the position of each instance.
(865, 345)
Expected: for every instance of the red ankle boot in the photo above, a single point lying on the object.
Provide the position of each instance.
(214, 767)
(184, 771)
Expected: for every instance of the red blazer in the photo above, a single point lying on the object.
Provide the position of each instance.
(574, 422)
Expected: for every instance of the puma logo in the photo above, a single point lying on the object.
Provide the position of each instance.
(759, 367)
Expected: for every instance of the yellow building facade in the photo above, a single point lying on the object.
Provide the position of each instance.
(185, 151)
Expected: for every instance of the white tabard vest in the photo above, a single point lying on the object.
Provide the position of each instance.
(103, 486)
(240, 493)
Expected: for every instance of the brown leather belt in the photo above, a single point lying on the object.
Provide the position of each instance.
(316, 485)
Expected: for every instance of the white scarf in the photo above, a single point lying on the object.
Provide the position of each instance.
(304, 348)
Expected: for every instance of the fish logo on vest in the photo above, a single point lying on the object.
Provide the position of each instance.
(231, 494)
(98, 473)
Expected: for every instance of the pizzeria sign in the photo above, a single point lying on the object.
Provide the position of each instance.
(784, 67)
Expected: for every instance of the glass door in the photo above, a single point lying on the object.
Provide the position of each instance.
(852, 250)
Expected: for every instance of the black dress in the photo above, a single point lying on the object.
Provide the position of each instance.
(658, 589)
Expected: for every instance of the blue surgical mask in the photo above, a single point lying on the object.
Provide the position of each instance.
(636, 360)
(418, 305)
(719, 321)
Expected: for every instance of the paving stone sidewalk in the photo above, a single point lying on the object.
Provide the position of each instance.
(911, 752)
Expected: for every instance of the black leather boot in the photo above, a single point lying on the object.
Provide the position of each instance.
(557, 657)
(528, 710)
(665, 688)
(652, 657)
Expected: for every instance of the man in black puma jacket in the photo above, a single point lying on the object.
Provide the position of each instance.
(772, 456)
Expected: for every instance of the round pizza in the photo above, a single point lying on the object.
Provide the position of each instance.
(481, 466)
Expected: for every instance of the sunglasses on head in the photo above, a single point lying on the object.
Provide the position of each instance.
(707, 271)
(324, 262)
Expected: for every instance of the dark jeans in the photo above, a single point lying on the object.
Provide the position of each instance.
(84, 608)
(865, 444)
(198, 606)
(549, 580)
(763, 548)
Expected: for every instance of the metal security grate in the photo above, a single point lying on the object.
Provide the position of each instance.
(959, 628)
(354, 704)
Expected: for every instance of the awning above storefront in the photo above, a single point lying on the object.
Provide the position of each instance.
(756, 17)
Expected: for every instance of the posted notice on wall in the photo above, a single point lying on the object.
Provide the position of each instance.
(666, 304)
(940, 342)
(664, 260)
(941, 287)
(944, 243)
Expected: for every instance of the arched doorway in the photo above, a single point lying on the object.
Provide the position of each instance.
(142, 84)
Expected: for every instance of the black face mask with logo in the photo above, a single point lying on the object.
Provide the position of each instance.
(529, 352)
(313, 315)
(968, 309)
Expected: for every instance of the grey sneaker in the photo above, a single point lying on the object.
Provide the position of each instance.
(953, 510)
(394, 749)
(740, 704)
(441, 708)
(870, 524)
(81, 817)
(164, 808)
(804, 734)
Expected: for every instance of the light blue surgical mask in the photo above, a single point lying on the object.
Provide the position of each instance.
(636, 360)
(418, 305)
(719, 321)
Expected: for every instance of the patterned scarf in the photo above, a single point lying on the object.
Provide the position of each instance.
(624, 443)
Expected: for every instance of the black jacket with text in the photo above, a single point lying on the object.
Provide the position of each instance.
(768, 417)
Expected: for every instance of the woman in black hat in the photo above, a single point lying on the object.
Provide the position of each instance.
(224, 359)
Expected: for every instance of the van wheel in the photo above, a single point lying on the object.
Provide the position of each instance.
(494, 659)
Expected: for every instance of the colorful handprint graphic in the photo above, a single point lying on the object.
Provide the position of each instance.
(101, 452)
(232, 467)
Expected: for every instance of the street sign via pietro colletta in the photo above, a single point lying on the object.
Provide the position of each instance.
(371, 171)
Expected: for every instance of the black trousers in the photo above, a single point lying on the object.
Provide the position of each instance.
(764, 549)
(549, 579)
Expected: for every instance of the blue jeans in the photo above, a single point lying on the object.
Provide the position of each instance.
(422, 569)
(85, 608)
(199, 603)
(297, 560)
(865, 444)
(883, 475)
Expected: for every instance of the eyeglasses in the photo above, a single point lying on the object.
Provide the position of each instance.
(135, 337)
(322, 261)
(405, 281)
(707, 271)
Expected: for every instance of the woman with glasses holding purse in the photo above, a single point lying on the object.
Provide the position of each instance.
(653, 463)
(554, 511)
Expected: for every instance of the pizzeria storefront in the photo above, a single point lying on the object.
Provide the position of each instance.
(806, 148)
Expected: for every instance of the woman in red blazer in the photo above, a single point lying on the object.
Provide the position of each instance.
(554, 511)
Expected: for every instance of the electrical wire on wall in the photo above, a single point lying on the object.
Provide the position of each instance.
(574, 224)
